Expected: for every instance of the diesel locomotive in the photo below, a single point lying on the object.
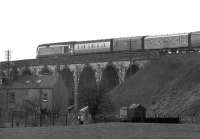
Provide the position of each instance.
(172, 43)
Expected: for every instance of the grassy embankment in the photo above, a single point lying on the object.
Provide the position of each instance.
(168, 86)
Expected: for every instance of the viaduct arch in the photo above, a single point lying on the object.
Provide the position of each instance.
(109, 79)
(67, 76)
(87, 86)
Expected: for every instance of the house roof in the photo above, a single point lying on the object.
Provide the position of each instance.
(84, 109)
(134, 106)
(40, 81)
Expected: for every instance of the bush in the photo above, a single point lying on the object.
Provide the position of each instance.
(26, 71)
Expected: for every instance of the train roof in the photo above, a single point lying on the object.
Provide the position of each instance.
(196, 32)
(90, 41)
(71, 42)
(101, 40)
(135, 37)
(167, 35)
(58, 43)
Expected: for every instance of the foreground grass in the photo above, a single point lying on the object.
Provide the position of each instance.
(106, 131)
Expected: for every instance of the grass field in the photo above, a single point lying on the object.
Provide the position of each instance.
(106, 131)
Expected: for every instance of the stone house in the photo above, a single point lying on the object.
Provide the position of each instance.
(44, 92)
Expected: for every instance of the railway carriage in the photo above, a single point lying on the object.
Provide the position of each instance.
(127, 44)
(137, 43)
(95, 46)
(195, 39)
(168, 43)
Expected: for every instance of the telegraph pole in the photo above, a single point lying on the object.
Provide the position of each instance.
(8, 57)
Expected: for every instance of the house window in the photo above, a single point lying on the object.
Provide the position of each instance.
(45, 97)
(11, 97)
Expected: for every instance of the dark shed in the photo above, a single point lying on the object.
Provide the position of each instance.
(136, 112)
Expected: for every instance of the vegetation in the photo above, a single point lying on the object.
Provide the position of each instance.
(26, 71)
(167, 86)
(98, 103)
(107, 131)
(45, 70)
(31, 106)
(14, 73)
(67, 76)
(90, 95)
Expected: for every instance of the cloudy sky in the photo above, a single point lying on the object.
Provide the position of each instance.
(24, 24)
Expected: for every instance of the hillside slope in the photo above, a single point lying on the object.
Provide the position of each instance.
(167, 86)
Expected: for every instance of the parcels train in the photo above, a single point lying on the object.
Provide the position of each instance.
(172, 43)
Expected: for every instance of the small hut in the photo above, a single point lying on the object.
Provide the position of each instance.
(123, 113)
(84, 114)
(136, 113)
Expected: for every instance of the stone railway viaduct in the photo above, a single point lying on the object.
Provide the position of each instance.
(107, 69)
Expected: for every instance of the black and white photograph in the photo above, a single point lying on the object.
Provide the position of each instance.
(99, 69)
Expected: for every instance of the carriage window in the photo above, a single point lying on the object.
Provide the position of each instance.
(95, 45)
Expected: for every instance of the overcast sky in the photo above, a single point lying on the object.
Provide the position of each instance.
(24, 24)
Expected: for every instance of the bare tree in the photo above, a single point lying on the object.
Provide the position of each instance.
(26, 71)
(14, 73)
